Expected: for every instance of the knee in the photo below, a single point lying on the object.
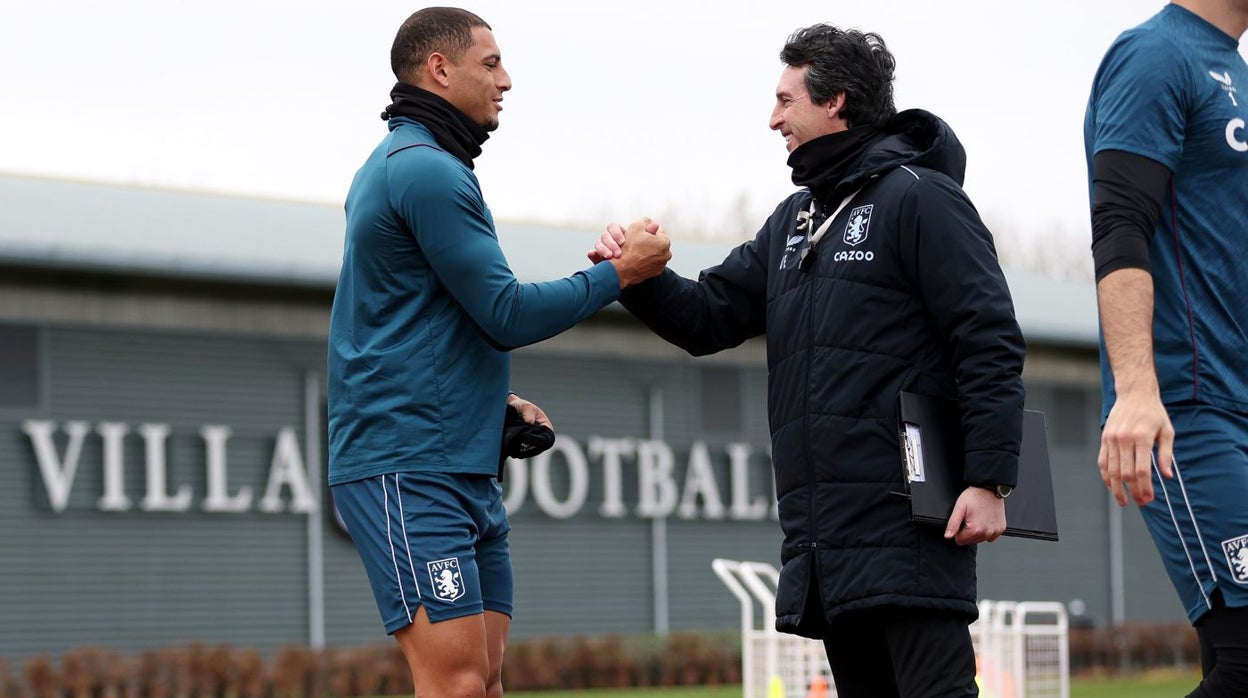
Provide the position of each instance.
(494, 684)
(465, 685)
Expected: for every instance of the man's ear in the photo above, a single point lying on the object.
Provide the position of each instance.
(436, 68)
(835, 105)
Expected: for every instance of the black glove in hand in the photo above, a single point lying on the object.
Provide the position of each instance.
(521, 439)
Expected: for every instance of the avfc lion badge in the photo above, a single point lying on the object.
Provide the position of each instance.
(859, 221)
(448, 584)
(1236, 550)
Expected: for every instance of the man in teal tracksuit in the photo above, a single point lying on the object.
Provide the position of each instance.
(425, 312)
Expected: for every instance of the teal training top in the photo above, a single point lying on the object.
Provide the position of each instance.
(424, 314)
(1175, 90)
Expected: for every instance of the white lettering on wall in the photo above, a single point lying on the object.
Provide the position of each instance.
(743, 508)
(113, 434)
(58, 473)
(219, 498)
(657, 486)
(578, 479)
(612, 452)
(517, 480)
(695, 494)
(700, 483)
(157, 498)
(287, 469)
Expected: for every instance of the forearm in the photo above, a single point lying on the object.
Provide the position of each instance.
(1125, 301)
(671, 307)
(520, 314)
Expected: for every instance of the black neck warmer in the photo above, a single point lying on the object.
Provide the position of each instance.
(451, 128)
(821, 164)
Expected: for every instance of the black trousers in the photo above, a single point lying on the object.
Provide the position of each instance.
(901, 653)
(1223, 634)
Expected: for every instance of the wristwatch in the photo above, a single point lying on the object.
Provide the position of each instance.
(1001, 491)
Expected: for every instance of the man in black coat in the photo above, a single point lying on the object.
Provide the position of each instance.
(878, 277)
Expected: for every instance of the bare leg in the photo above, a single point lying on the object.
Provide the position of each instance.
(453, 658)
(497, 626)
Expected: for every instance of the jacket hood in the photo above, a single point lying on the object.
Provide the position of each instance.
(911, 137)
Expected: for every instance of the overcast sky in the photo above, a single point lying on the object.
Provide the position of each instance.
(619, 109)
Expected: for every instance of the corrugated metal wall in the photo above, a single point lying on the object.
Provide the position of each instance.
(139, 579)
(134, 579)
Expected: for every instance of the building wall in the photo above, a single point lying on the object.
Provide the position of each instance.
(132, 579)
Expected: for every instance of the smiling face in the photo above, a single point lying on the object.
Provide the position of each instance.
(799, 119)
(476, 82)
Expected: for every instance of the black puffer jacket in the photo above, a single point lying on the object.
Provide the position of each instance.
(903, 292)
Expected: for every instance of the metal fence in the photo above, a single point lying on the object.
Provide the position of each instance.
(1022, 649)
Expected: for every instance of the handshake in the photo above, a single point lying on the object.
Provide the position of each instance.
(639, 252)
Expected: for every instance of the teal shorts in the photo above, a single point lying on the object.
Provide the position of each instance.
(437, 540)
(1199, 518)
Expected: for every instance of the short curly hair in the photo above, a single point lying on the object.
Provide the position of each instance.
(854, 62)
(445, 30)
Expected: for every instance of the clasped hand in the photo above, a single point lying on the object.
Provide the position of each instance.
(638, 252)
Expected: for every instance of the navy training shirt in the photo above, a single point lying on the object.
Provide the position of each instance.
(1175, 90)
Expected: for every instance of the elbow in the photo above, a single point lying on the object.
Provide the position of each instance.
(501, 345)
(502, 337)
(509, 339)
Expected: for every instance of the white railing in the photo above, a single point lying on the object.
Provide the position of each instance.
(1021, 648)
(773, 664)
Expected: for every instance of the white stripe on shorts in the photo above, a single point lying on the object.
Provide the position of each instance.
(385, 495)
(407, 545)
(1174, 463)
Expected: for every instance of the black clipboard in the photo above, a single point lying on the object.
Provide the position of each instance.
(932, 464)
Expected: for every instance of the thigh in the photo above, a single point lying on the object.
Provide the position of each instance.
(449, 657)
(858, 653)
(460, 656)
(932, 654)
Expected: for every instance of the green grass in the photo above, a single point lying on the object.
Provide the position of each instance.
(1159, 684)
(1151, 685)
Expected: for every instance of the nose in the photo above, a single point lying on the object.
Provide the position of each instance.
(777, 119)
(504, 80)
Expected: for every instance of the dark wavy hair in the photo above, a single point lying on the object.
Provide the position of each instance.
(854, 62)
(445, 30)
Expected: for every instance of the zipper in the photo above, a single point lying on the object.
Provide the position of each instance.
(810, 361)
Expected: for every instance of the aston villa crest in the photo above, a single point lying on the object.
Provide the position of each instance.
(1236, 550)
(859, 221)
(448, 583)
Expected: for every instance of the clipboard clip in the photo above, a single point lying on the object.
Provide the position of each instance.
(912, 442)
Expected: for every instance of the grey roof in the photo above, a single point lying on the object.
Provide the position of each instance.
(95, 226)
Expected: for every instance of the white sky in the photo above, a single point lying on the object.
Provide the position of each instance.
(620, 109)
